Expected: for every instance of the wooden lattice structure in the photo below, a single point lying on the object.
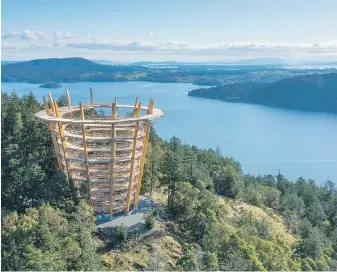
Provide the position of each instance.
(103, 155)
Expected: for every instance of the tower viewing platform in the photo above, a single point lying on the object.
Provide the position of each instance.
(101, 147)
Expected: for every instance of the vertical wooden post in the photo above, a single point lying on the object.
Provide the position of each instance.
(84, 137)
(113, 154)
(51, 101)
(91, 98)
(134, 148)
(136, 105)
(69, 103)
(142, 160)
(46, 107)
(63, 140)
(92, 104)
(52, 133)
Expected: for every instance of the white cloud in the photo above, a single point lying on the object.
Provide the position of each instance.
(33, 35)
(232, 49)
(8, 46)
(10, 35)
(67, 42)
(64, 35)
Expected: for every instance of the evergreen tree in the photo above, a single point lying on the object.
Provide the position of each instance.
(210, 262)
(44, 239)
(189, 261)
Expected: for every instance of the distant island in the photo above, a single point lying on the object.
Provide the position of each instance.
(50, 85)
(316, 92)
(82, 70)
(301, 89)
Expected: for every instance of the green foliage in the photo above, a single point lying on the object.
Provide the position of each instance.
(240, 87)
(303, 205)
(150, 220)
(315, 92)
(48, 229)
(59, 192)
(38, 196)
(272, 197)
(21, 187)
(44, 239)
(82, 224)
(195, 209)
(27, 159)
(184, 201)
(62, 101)
(315, 212)
(172, 168)
(293, 203)
(152, 173)
(228, 182)
(214, 237)
(210, 262)
(66, 70)
(189, 261)
(254, 194)
(122, 232)
(314, 244)
(237, 255)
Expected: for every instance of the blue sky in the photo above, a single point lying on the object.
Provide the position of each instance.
(185, 30)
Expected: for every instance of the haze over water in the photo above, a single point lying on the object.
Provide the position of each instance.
(262, 139)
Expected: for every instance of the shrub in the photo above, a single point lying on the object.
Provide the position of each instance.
(150, 220)
(210, 261)
(122, 232)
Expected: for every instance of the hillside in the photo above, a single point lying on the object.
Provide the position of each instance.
(163, 245)
(210, 215)
(83, 70)
(64, 70)
(316, 92)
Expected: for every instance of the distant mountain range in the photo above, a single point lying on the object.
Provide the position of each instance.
(109, 62)
(65, 70)
(254, 61)
(305, 89)
(80, 70)
(315, 92)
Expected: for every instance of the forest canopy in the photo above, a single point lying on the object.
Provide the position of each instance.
(316, 92)
(45, 226)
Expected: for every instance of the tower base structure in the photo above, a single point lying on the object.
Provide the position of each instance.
(100, 150)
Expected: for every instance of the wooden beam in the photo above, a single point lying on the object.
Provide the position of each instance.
(136, 106)
(84, 137)
(113, 154)
(69, 103)
(135, 134)
(142, 160)
(116, 107)
(92, 104)
(45, 106)
(91, 98)
(51, 102)
(52, 133)
(63, 140)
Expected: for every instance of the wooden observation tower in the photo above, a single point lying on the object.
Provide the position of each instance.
(103, 155)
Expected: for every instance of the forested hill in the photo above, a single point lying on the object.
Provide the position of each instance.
(315, 92)
(210, 215)
(83, 70)
(64, 70)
